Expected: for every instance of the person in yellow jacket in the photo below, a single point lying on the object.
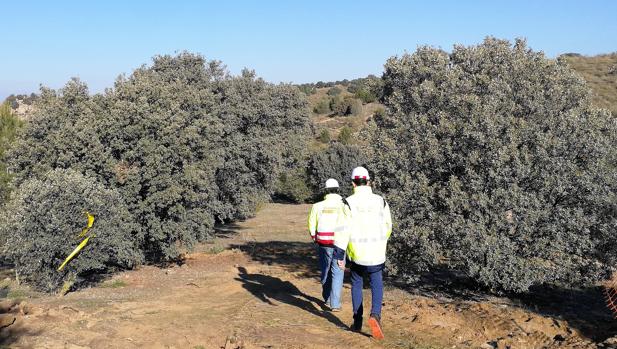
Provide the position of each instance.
(364, 241)
(323, 220)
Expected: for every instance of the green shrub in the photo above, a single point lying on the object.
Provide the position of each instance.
(345, 106)
(293, 186)
(335, 162)
(334, 91)
(323, 106)
(9, 125)
(495, 163)
(345, 135)
(365, 96)
(40, 227)
(324, 136)
(307, 89)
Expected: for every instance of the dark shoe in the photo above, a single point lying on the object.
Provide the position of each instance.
(357, 324)
(375, 325)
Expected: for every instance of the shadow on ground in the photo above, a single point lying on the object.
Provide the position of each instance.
(12, 326)
(584, 309)
(223, 231)
(294, 257)
(268, 288)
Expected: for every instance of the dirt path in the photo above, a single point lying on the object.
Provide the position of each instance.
(256, 287)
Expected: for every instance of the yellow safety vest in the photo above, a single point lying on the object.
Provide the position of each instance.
(367, 228)
(324, 219)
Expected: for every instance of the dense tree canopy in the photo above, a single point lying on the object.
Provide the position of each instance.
(183, 142)
(497, 164)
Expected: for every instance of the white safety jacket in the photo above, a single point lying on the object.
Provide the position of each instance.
(369, 224)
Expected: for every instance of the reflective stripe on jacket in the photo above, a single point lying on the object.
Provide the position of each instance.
(366, 232)
(325, 218)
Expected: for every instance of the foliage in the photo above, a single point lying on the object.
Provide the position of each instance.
(307, 89)
(334, 91)
(184, 143)
(496, 164)
(345, 106)
(15, 100)
(346, 134)
(323, 106)
(324, 136)
(41, 224)
(9, 124)
(293, 186)
(336, 162)
(365, 96)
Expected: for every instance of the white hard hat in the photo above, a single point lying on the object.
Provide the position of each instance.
(360, 173)
(331, 183)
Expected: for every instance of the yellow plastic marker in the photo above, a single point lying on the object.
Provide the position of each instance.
(75, 251)
(79, 247)
(90, 222)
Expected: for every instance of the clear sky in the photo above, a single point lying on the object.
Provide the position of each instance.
(47, 42)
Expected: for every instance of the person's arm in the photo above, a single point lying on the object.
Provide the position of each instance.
(342, 236)
(387, 220)
(312, 222)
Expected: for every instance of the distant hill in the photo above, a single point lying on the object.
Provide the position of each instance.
(600, 72)
(22, 105)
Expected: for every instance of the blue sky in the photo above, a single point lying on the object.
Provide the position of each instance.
(47, 42)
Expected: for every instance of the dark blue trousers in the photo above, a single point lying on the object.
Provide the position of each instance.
(375, 275)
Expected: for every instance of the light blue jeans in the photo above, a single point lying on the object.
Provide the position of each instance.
(331, 277)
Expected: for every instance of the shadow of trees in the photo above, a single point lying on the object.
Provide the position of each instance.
(583, 308)
(267, 288)
(294, 257)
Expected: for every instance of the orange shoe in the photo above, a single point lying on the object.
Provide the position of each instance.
(375, 326)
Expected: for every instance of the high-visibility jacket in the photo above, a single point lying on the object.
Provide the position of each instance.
(325, 218)
(367, 229)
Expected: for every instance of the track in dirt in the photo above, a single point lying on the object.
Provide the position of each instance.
(256, 286)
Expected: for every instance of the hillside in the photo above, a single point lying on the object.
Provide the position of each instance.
(333, 123)
(600, 72)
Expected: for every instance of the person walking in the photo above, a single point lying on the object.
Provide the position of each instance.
(323, 220)
(364, 242)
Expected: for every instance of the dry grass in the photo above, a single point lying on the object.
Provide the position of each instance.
(600, 72)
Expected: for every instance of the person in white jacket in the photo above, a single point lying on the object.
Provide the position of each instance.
(323, 220)
(364, 241)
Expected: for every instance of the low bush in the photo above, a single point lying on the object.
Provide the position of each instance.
(337, 162)
(345, 136)
(323, 106)
(334, 91)
(346, 106)
(324, 136)
(40, 227)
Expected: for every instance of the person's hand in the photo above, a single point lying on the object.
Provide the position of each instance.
(341, 264)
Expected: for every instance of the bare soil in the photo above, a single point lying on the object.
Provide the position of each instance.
(256, 286)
